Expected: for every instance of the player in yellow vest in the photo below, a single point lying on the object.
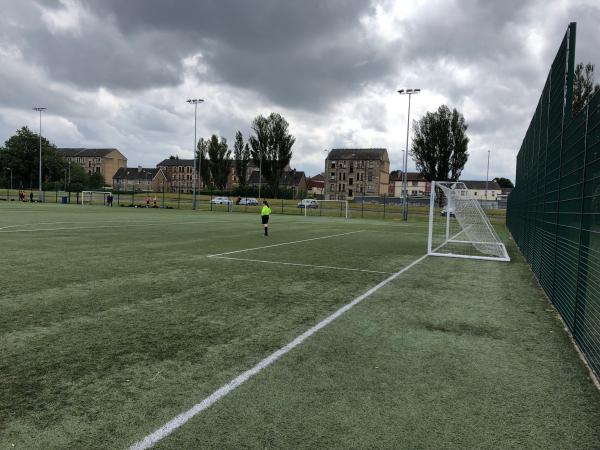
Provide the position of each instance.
(265, 212)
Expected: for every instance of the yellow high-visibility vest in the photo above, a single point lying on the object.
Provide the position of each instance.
(266, 211)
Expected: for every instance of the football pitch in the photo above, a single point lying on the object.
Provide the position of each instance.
(127, 327)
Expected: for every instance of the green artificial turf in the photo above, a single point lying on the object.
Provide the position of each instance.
(115, 320)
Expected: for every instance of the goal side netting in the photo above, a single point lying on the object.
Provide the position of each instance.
(328, 208)
(93, 197)
(458, 226)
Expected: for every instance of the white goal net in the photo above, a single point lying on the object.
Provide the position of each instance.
(329, 208)
(458, 226)
(94, 197)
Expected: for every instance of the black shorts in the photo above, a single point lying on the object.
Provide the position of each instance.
(265, 219)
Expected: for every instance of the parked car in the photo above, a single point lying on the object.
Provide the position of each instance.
(221, 201)
(446, 210)
(308, 203)
(248, 201)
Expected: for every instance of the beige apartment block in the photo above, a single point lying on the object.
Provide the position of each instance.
(356, 172)
(106, 161)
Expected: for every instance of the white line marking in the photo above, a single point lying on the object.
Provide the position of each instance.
(182, 418)
(285, 243)
(300, 265)
(108, 226)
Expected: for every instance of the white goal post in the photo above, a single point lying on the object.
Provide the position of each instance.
(329, 208)
(458, 226)
(94, 197)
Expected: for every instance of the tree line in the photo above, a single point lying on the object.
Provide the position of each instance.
(268, 147)
(20, 158)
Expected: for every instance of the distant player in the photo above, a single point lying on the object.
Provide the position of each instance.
(265, 213)
(147, 201)
(155, 201)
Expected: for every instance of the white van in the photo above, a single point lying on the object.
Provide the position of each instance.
(308, 203)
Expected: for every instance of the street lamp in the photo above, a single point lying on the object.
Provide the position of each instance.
(408, 92)
(40, 109)
(195, 101)
(8, 195)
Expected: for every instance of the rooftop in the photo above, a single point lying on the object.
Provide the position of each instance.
(358, 153)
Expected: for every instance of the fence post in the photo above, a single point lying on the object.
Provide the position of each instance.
(56, 197)
(362, 208)
(163, 201)
(178, 195)
(281, 206)
(384, 197)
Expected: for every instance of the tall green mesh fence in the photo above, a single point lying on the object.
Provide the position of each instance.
(554, 211)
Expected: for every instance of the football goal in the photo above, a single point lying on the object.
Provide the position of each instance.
(330, 208)
(458, 226)
(94, 197)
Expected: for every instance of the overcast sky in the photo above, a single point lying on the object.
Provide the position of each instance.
(117, 73)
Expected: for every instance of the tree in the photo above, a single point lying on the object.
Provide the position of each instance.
(202, 165)
(21, 154)
(439, 145)
(96, 181)
(271, 147)
(583, 86)
(504, 182)
(241, 154)
(219, 161)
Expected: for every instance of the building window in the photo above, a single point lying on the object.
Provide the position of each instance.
(332, 187)
(369, 187)
(370, 164)
(332, 176)
(475, 193)
(370, 178)
(344, 176)
(350, 193)
(415, 183)
(351, 168)
(333, 164)
(350, 182)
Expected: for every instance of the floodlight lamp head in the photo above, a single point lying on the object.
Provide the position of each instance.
(39, 108)
(194, 101)
(401, 91)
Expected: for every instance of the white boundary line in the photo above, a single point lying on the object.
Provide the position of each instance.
(182, 418)
(300, 265)
(107, 226)
(284, 243)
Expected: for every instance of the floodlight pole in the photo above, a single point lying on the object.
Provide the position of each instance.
(40, 109)
(487, 176)
(195, 101)
(408, 92)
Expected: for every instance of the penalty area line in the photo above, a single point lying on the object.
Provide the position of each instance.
(284, 243)
(181, 419)
(300, 265)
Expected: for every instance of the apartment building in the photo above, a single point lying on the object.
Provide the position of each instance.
(351, 172)
(179, 173)
(106, 161)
